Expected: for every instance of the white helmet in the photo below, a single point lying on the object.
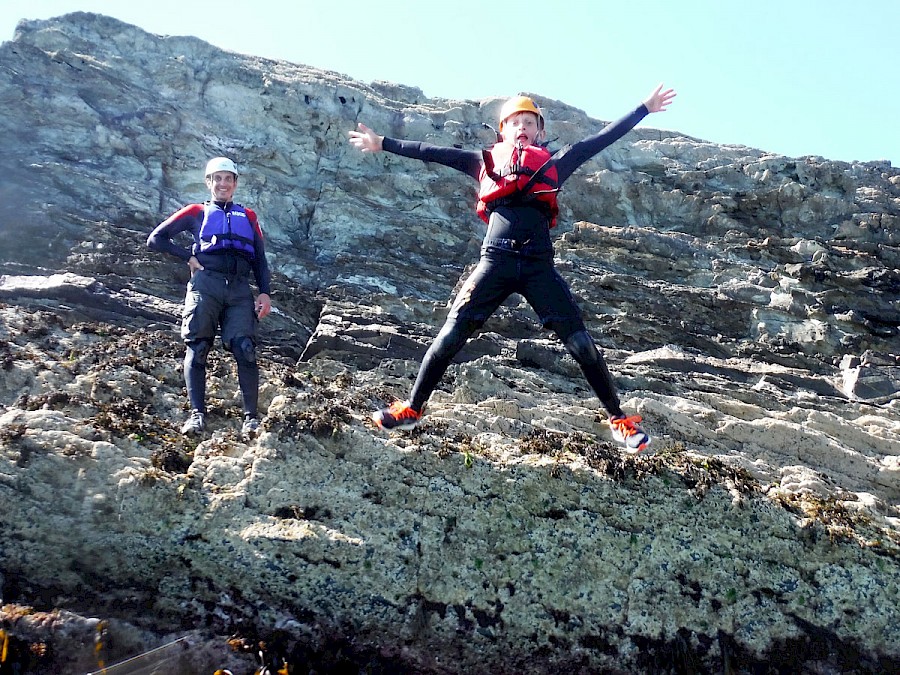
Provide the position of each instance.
(220, 164)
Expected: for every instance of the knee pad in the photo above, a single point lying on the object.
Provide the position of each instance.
(197, 351)
(582, 348)
(244, 350)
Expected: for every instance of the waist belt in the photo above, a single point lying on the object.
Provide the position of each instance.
(526, 247)
(231, 266)
(229, 278)
(508, 244)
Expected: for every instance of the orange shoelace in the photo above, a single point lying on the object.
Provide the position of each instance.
(626, 425)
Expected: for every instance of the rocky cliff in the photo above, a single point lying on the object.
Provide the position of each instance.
(747, 304)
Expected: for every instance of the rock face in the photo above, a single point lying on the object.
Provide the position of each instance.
(747, 304)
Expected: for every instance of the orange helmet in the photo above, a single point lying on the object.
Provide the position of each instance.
(520, 104)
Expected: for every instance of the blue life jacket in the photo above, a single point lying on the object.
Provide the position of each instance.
(226, 230)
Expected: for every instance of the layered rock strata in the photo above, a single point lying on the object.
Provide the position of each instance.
(747, 304)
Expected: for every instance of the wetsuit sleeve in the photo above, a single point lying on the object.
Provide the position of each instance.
(583, 150)
(183, 220)
(467, 161)
(260, 264)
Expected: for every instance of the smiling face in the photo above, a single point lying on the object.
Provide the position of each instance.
(222, 185)
(522, 128)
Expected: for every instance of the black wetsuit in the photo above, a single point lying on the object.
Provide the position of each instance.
(516, 257)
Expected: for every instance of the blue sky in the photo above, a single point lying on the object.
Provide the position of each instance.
(796, 77)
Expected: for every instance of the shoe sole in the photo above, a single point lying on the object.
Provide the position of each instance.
(638, 450)
(406, 426)
(399, 427)
(643, 446)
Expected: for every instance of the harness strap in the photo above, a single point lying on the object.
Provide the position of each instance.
(535, 175)
(539, 174)
(228, 235)
(488, 160)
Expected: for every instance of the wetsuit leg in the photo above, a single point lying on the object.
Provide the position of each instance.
(593, 365)
(451, 338)
(195, 355)
(199, 319)
(239, 331)
(548, 293)
(244, 350)
(489, 284)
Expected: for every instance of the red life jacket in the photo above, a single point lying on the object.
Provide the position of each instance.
(506, 178)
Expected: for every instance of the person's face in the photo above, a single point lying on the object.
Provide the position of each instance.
(521, 127)
(222, 185)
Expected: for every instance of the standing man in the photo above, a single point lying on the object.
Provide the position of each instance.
(227, 247)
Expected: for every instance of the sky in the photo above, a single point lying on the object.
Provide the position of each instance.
(793, 77)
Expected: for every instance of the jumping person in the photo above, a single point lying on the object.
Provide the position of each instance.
(518, 183)
(227, 248)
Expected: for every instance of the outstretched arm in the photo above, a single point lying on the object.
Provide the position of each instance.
(366, 140)
(659, 100)
(583, 150)
(467, 161)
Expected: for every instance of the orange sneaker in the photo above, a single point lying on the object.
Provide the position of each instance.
(625, 430)
(398, 416)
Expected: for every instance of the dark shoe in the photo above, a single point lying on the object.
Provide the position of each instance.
(625, 430)
(399, 416)
(195, 424)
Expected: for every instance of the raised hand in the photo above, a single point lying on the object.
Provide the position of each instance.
(659, 100)
(365, 139)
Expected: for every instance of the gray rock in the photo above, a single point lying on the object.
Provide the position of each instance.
(747, 304)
